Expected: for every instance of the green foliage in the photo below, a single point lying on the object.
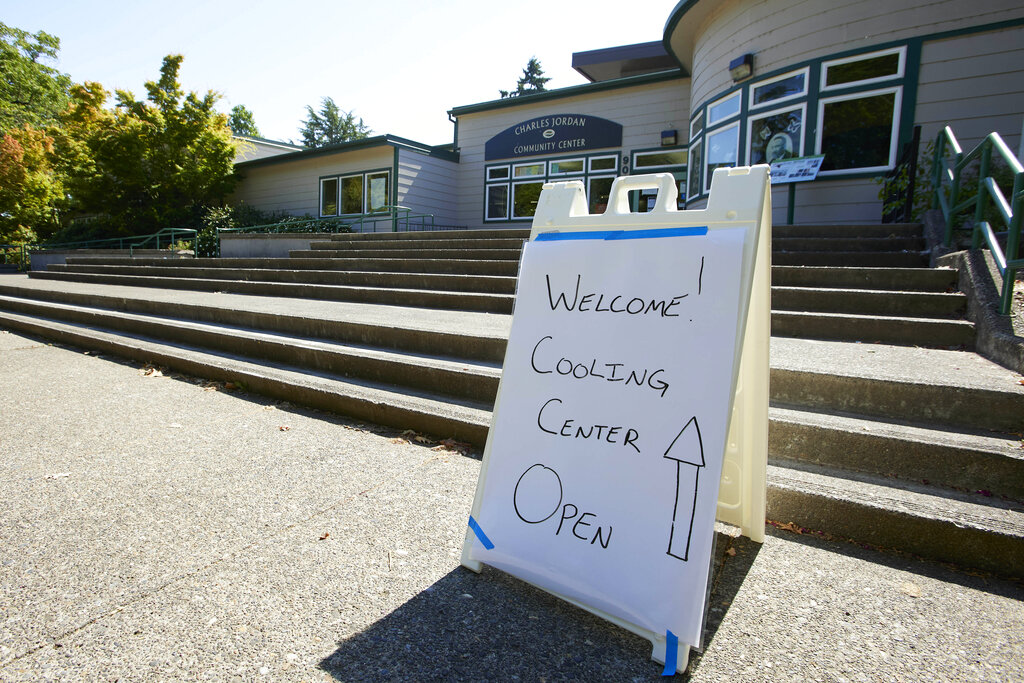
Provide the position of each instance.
(241, 122)
(532, 81)
(29, 189)
(31, 93)
(146, 165)
(331, 126)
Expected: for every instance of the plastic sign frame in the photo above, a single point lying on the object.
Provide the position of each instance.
(738, 210)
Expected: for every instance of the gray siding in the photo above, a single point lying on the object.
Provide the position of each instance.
(974, 84)
(644, 111)
(294, 186)
(427, 185)
(783, 32)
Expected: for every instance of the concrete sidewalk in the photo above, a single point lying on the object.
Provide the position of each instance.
(153, 528)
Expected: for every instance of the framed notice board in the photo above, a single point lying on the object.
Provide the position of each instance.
(618, 404)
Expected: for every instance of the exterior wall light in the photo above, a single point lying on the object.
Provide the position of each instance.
(668, 138)
(741, 67)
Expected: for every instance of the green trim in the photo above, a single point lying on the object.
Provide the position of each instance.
(571, 91)
(394, 191)
(674, 17)
(353, 174)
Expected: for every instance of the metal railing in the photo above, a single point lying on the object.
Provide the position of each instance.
(16, 254)
(392, 218)
(1009, 211)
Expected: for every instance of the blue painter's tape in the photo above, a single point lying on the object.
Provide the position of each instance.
(480, 533)
(622, 234)
(671, 653)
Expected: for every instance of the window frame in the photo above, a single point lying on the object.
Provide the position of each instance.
(543, 170)
(893, 131)
(562, 174)
(802, 106)
(337, 189)
(737, 95)
(661, 150)
(901, 69)
(735, 125)
(751, 105)
(508, 200)
(512, 197)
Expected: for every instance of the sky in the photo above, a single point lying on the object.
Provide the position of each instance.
(399, 65)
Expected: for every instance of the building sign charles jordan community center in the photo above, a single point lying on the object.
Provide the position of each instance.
(554, 134)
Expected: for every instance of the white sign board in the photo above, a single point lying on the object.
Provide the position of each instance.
(796, 170)
(601, 475)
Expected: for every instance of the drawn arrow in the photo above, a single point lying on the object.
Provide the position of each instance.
(689, 460)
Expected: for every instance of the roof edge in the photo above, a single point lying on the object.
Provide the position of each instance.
(571, 91)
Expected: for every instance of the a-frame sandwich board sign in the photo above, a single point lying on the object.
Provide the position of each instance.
(633, 403)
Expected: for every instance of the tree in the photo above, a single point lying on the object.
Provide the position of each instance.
(241, 122)
(532, 81)
(29, 188)
(146, 165)
(331, 126)
(31, 92)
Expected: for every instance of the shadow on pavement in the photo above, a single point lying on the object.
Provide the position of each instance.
(491, 626)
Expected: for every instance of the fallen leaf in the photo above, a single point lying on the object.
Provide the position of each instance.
(398, 440)
(269, 407)
(60, 475)
(326, 535)
(731, 552)
(284, 428)
(231, 386)
(423, 439)
(911, 589)
(151, 371)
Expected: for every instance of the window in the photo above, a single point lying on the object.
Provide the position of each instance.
(779, 89)
(497, 202)
(511, 191)
(693, 184)
(859, 131)
(865, 69)
(604, 163)
(598, 192)
(524, 198)
(497, 173)
(565, 167)
(776, 135)
(355, 194)
(697, 125)
(723, 109)
(722, 150)
(377, 191)
(527, 170)
(669, 157)
(329, 197)
(352, 194)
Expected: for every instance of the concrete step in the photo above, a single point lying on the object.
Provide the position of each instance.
(870, 302)
(455, 378)
(498, 233)
(460, 254)
(380, 404)
(432, 281)
(987, 463)
(449, 242)
(970, 531)
(953, 389)
(392, 265)
(906, 331)
(901, 279)
(489, 303)
(860, 259)
(854, 244)
(465, 335)
(856, 230)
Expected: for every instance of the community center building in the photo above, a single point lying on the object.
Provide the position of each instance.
(731, 82)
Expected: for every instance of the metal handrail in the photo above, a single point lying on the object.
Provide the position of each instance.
(397, 215)
(1009, 211)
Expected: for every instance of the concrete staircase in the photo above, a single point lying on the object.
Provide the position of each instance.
(885, 428)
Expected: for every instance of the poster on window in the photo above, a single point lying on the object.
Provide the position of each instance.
(776, 137)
